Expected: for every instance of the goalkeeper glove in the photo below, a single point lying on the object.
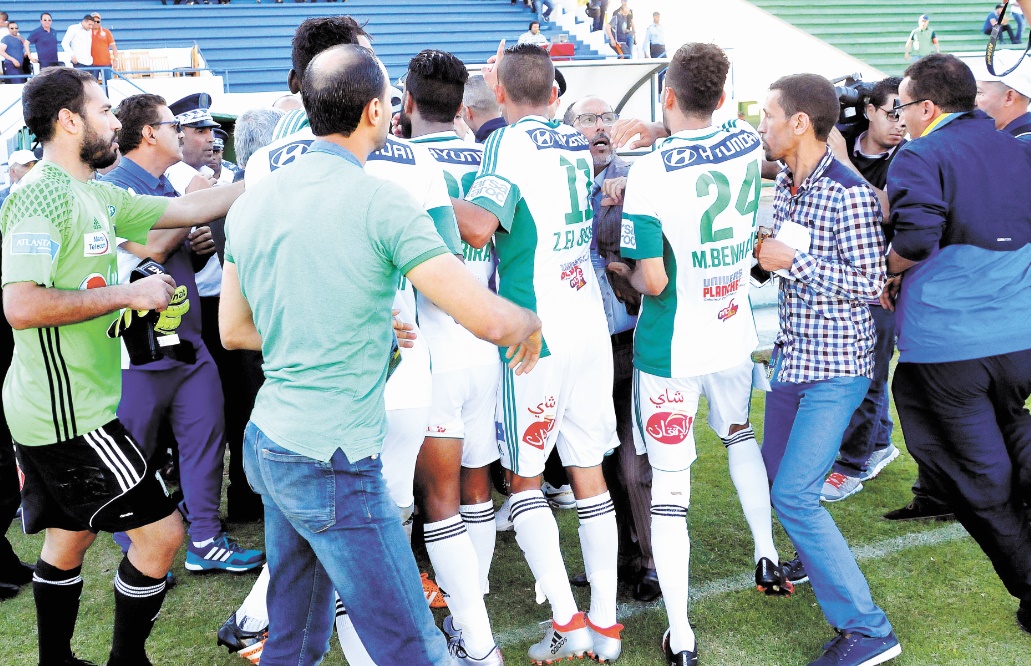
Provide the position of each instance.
(170, 318)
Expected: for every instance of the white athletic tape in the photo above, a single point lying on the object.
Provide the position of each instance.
(746, 581)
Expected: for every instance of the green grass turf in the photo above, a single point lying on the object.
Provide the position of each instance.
(945, 601)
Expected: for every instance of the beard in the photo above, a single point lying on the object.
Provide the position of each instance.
(95, 152)
(404, 121)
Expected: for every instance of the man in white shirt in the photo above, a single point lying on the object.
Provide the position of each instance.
(654, 39)
(534, 36)
(78, 42)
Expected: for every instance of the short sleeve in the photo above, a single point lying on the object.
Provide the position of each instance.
(641, 233)
(31, 242)
(133, 215)
(493, 190)
(401, 231)
(438, 205)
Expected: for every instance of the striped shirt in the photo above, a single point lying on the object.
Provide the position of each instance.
(826, 329)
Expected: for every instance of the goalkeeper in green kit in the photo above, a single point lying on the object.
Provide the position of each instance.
(84, 473)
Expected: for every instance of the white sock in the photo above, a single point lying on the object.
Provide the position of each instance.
(354, 651)
(671, 548)
(599, 541)
(748, 472)
(537, 534)
(479, 521)
(454, 563)
(253, 612)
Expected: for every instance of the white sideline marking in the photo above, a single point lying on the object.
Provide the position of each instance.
(746, 581)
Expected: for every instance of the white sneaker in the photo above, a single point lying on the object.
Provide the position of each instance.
(503, 517)
(568, 642)
(877, 461)
(456, 646)
(838, 486)
(559, 498)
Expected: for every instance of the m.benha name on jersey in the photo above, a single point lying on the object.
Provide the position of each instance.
(718, 288)
(725, 255)
(735, 145)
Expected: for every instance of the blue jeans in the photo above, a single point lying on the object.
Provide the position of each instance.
(333, 525)
(803, 427)
(871, 425)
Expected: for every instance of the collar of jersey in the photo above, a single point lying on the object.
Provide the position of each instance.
(436, 137)
(538, 119)
(693, 135)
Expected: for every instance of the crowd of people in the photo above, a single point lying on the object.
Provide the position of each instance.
(508, 293)
(87, 44)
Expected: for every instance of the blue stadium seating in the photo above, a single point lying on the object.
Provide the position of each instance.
(252, 41)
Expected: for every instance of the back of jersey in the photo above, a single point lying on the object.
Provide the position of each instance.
(536, 178)
(452, 347)
(693, 202)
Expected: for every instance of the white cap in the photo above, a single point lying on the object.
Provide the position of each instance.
(22, 157)
(1019, 79)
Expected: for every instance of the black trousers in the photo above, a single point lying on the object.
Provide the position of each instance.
(10, 493)
(966, 425)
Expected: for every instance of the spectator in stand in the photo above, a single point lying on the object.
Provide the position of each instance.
(1006, 98)
(13, 49)
(534, 36)
(480, 109)
(921, 39)
(654, 39)
(964, 371)
(1018, 15)
(995, 18)
(104, 50)
(78, 42)
(19, 164)
(620, 30)
(45, 40)
(596, 10)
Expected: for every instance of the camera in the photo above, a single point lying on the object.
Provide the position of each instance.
(853, 95)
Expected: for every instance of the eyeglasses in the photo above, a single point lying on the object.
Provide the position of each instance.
(897, 108)
(892, 113)
(588, 119)
(176, 125)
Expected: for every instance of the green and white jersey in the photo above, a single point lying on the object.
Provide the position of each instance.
(452, 347)
(693, 202)
(60, 233)
(413, 168)
(536, 178)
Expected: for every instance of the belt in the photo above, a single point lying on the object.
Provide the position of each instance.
(624, 338)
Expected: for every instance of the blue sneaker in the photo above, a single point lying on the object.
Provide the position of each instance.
(222, 554)
(858, 650)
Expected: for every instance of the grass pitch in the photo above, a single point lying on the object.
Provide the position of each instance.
(939, 590)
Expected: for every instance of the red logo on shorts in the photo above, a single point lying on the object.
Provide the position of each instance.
(669, 427)
(537, 433)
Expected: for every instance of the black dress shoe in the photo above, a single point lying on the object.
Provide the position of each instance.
(8, 591)
(18, 574)
(920, 509)
(579, 580)
(647, 588)
(1024, 616)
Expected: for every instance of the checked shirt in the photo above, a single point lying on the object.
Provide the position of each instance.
(826, 329)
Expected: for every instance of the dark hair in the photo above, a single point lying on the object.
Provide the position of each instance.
(336, 98)
(884, 89)
(46, 14)
(527, 74)
(812, 95)
(945, 80)
(316, 35)
(87, 16)
(134, 113)
(436, 81)
(51, 90)
(533, 23)
(4, 15)
(697, 74)
(10, 23)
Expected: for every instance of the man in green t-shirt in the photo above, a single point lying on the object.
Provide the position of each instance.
(83, 471)
(312, 292)
(922, 39)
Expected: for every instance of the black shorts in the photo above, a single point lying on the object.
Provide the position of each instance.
(99, 481)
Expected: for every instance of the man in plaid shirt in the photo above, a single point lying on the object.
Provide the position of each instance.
(823, 356)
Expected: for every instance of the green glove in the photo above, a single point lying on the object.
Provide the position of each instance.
(170, 318)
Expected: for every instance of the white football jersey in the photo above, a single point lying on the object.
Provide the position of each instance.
(536, 177)
(413, 168)
(693, 202)
(452, 347)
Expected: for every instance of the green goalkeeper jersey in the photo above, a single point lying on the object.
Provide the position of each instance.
(60, 233)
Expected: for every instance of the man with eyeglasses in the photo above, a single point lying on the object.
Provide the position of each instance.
(13, 49)
(866, 446)
(78, 43)
(958, 266)
(103, 49)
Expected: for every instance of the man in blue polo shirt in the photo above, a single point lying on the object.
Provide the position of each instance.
(313, 259)
(963, 246)
(44, 39)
